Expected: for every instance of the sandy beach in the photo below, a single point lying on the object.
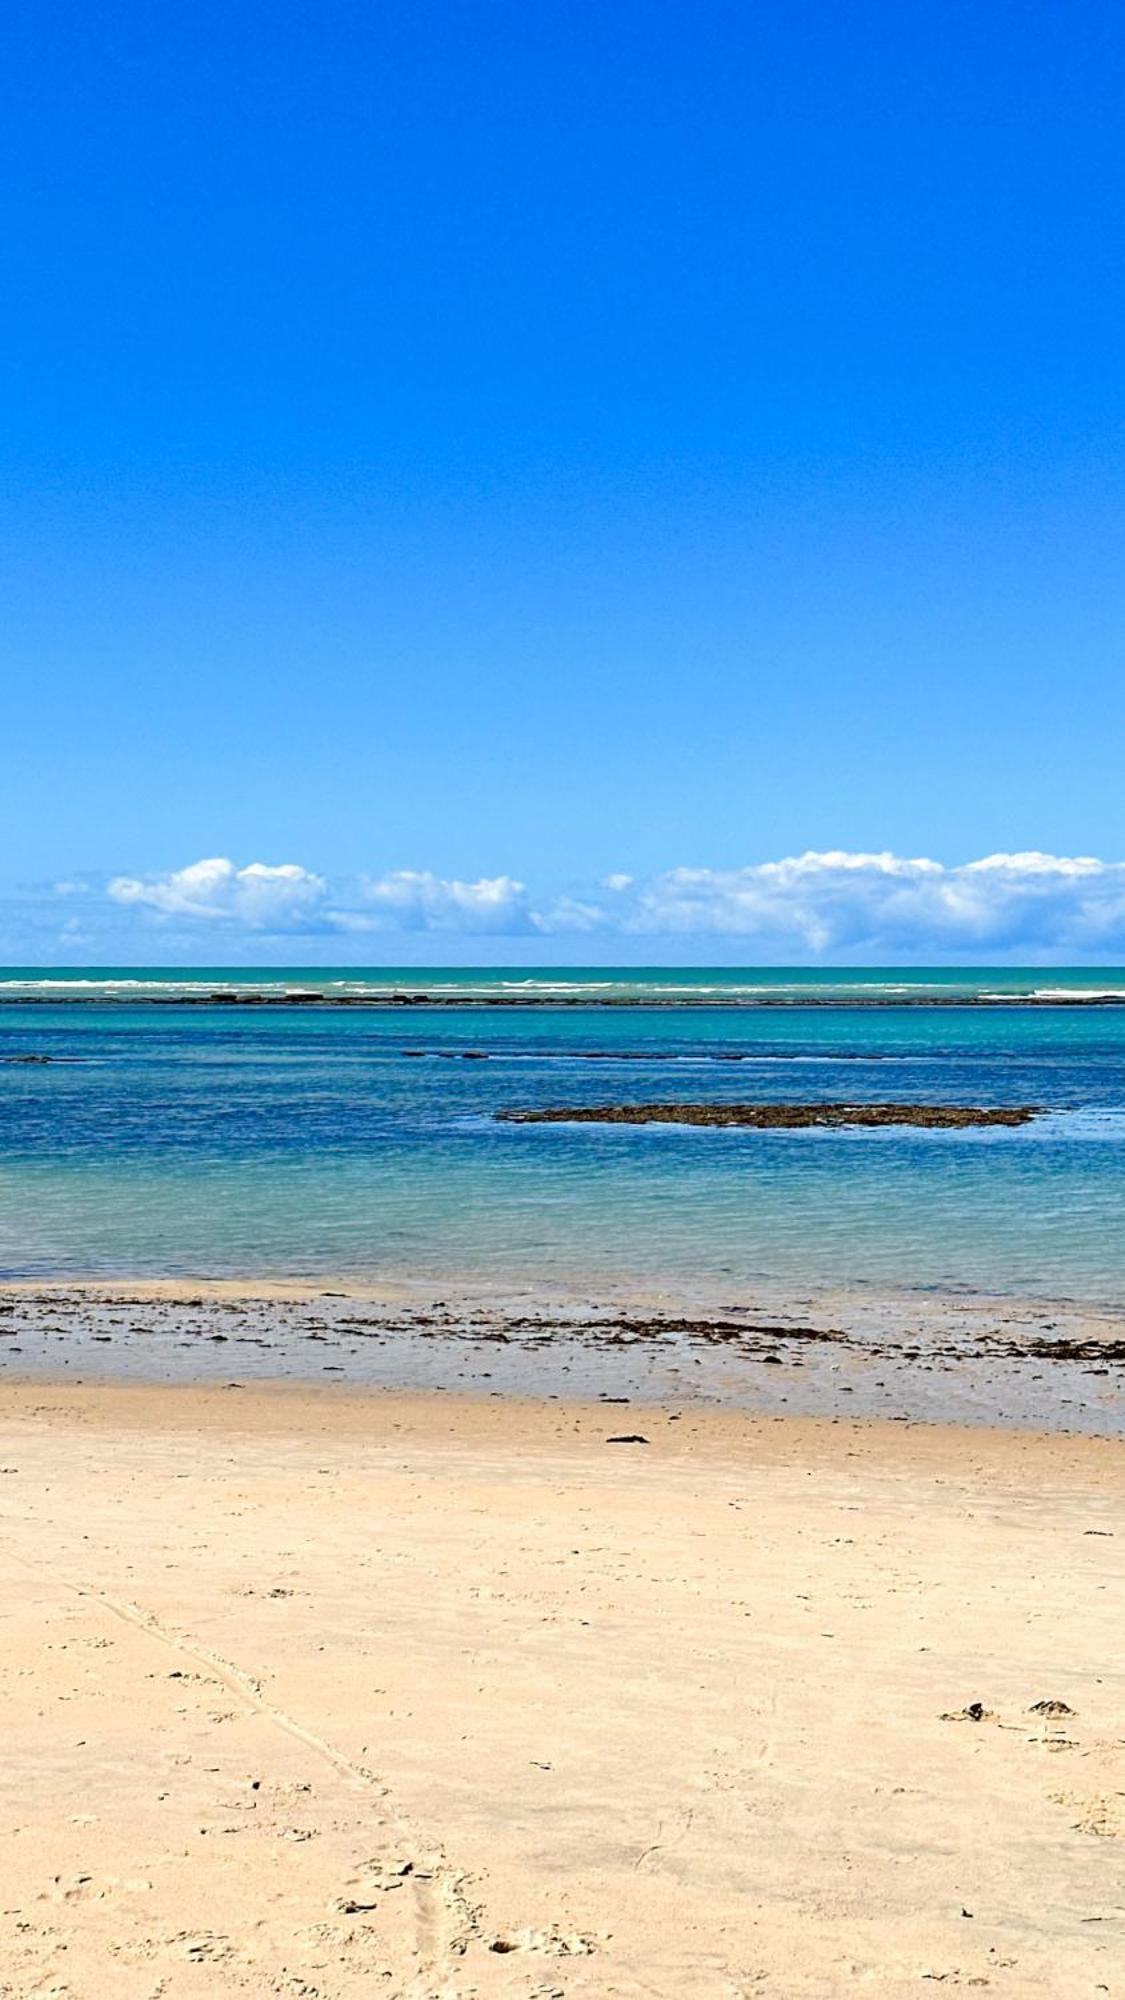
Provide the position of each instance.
(322, 1692)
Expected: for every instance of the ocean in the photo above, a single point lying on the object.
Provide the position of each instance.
(299, 1123)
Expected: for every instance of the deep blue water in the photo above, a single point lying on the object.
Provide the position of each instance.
(165, 1139)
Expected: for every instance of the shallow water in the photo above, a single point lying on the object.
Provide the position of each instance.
(262, 1141)
(604, 985)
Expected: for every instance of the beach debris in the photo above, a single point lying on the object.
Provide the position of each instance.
(627, 1437)
(1077, 1350)
(552, 1943)
(1050, 1708)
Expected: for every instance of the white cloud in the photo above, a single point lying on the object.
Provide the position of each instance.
(414, 900)
(830, 905)
(282, 898)
(886, 904)
(1037, 864)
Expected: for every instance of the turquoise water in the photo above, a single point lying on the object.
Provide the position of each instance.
(166, 1138)
(601, 985)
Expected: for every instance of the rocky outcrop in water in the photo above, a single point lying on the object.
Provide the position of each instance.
(776, 1117)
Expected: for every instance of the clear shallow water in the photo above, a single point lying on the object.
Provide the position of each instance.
(287, 1142)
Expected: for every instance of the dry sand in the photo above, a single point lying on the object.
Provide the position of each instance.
(328, 1694)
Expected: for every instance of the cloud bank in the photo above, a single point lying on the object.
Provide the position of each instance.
(887, 905)
(415, 900)
(262, 898)
(814, 906)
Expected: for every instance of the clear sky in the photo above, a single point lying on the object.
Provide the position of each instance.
(538, 443)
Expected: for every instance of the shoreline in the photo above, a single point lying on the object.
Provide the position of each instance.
(551, 1426)
(343, 1693)
(987, 1361)
(710, 1295)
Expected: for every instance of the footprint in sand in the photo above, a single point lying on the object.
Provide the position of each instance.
(1104, 1818)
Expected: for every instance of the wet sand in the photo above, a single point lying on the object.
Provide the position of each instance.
(1045, 1364)
(328, 1692)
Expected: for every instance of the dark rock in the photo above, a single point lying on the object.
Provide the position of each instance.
(776, 1117)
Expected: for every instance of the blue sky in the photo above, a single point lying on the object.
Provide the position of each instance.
(540, 445)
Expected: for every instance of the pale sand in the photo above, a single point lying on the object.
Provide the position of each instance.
(323, 1695)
